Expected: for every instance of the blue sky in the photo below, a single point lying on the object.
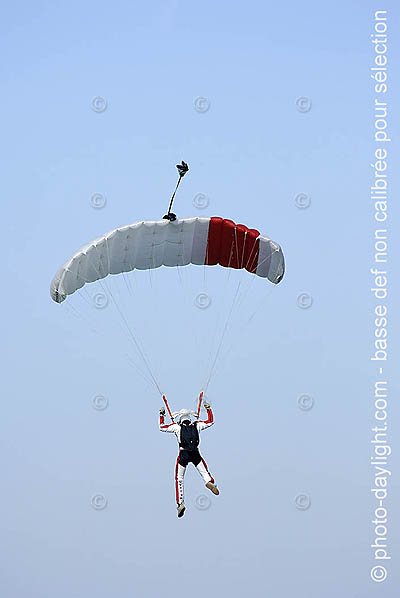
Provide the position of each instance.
(252, 152)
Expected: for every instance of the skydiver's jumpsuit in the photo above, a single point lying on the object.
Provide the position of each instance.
(188, 456)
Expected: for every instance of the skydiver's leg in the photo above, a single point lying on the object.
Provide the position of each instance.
(179, 477)
(202, 468)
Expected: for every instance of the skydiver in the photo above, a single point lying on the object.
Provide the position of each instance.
(187, 434)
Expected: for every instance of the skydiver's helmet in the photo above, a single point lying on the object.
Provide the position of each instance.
(184, 415)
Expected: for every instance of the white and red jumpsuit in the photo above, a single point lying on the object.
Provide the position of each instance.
(188, 456)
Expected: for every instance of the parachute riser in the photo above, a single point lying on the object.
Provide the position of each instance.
(168, 409)
(199, 407)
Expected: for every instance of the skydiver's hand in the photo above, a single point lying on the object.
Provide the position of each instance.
(207, 406)
(162, 411)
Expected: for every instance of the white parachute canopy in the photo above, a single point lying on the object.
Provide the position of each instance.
(151, 244)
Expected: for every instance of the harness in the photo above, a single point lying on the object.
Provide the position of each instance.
(189, 437)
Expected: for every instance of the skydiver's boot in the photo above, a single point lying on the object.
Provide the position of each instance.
(181, 509)
(212, 487)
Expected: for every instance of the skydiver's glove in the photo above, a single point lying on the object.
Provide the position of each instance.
(207, 406)
(162, 411)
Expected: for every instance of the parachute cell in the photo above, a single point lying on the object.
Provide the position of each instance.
(151, 244)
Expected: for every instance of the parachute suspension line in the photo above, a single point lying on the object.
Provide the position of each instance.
(245, 324)
(70, 311)
(222, 337)
(223, 299)
(251, 256)
(133, 279)
(128, 277)
(215, 333)
(149, 270)
(129, 357)
(259, 306)
(116, 283)
(85, 299)
(226, 323)
(125, 329)
(249, 280)
(92, 324)
(202, 334)
(136, 342)
(138, 369)
(155, 293)
(128, 328)
(81, 313)
(243, 250)
(129, 288)
(252, 279)
(180, 274)
(236, 303)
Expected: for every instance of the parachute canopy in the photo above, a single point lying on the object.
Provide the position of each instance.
(154, 243)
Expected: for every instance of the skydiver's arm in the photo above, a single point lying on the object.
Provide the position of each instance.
(202, 425)
(166, 427)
